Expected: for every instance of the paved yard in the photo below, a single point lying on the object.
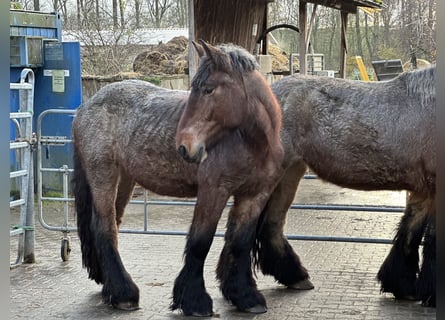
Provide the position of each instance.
(343, 272)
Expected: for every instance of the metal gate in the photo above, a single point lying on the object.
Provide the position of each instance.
(44, 142)
(21, 144)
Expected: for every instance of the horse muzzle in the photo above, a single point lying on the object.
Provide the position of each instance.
(198, 156)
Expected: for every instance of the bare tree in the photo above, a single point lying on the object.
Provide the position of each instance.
(122, 12)
(137, 13)
(157, 9)
(115, 18)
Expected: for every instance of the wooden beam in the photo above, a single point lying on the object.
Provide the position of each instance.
(311, 23)
(302, 11)
(193, 58)
(343, 5)
(343, 44)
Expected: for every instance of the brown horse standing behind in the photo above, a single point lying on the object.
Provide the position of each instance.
(367, 136)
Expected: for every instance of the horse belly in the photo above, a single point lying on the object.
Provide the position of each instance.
(166, 178)
(370, 172)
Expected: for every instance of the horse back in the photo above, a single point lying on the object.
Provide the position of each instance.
(361, 135)
(131, 126)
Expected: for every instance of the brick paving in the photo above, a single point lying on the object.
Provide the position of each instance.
(343, 273)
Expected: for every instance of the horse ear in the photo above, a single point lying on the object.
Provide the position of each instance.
(209, 50)
(198, 48)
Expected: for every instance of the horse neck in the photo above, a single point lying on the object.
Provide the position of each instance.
(263, 122)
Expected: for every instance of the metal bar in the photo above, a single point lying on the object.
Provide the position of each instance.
(288, 236)
(18, 145)
(55, 170)
(335, 207)
(20, 115)
(56, 141)
(16, 232)
(16, 203)
(21, 86)
(19, 173)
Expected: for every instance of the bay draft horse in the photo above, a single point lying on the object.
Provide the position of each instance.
(368, 136)
(229, 133)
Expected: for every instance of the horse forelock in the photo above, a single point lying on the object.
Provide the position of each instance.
(228, 58)
(240, 58)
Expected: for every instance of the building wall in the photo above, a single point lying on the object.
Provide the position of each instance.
(232, 21)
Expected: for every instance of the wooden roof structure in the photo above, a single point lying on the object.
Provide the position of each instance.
(243, 22)
(346, 7)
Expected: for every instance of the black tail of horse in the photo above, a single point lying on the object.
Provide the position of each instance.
(84, 210)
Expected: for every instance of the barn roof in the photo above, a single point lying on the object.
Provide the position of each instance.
(348, 5)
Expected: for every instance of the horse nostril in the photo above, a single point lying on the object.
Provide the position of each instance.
(182, 150)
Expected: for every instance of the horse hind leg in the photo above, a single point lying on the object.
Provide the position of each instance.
(119, 290)
(426, 281)
(398, 272)
(274, 255)
(124, 193)
(84, 212)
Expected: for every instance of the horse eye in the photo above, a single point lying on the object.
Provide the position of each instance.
(207, 90)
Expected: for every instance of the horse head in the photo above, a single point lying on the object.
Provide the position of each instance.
(220, 100)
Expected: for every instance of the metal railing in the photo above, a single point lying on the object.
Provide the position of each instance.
(22, 171)
(65, 199)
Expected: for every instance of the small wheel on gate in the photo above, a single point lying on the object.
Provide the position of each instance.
(65, 249)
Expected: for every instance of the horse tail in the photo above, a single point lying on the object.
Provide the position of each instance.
(83, 202)
(257, 248)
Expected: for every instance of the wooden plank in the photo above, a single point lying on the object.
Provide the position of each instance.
(193, 57)
(229, 21)
(343, 44)
(302, 11)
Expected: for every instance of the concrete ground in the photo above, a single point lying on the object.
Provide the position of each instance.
(343, 272)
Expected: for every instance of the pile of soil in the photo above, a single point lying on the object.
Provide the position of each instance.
(165, 58)
(172, 58)
(280, 59)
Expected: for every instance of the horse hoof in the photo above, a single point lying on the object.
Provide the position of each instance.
(407, 297)
(302, 285)
(198, 314)
(127, 306)
(257, 309)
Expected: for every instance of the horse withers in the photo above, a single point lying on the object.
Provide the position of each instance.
(125, 134)
(368, 136)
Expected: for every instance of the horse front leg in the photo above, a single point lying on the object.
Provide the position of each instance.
(275, 256)
(398, 272)
(189, 293)
(234, 269)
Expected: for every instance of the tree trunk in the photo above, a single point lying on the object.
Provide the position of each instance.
(358, 34)
(115, 18)
(121, 11)
(137, 13)
(36, 5)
